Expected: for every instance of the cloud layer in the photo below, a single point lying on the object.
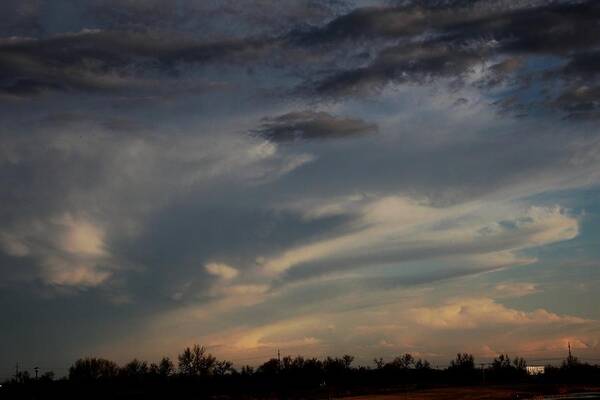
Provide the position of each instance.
(363, 177)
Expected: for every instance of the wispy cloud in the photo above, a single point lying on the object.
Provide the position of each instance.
(397, 229)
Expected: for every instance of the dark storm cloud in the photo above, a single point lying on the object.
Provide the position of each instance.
(308, 125)
(580, 102)
(125, 46)
(412, 63)
(581, 96)
(584, 64)
(36, 18)
(360, 51)
(420, 43)
(108, 61)
(408, 19)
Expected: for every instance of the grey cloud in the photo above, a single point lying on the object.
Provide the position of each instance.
(396, 21)
(224, 18)
(80, 184)
(107, 61)
(419, 44)
(125, 46)
(309, 125)
(580, 97)
(585, 64)
(365, 23)
(580, 102)
(400, 64)
(354, 53)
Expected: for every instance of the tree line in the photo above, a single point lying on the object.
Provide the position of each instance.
(199, 374)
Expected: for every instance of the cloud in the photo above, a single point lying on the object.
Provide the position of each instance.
(310, 125)
(422, 44)
(69, 250)
(483, 312)
(335, 51)
(431, 322)
(65, 272)
(71, 172)
(392, 230)
(222, 271)
(403, 64)
(112, 61)
(515, 289)
(227, 18)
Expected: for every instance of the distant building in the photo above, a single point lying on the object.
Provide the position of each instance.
(536, 369)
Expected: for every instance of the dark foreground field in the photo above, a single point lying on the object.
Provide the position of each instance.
(490, 393)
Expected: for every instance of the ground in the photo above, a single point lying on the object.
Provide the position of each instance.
(479, 393)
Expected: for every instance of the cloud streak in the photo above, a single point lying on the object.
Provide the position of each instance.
(309, 125)
(397, 229)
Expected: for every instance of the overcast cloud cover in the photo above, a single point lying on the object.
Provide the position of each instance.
(323, 177)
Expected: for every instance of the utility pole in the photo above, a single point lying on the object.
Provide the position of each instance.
(483, 372)
(17, 371)
(36, 369)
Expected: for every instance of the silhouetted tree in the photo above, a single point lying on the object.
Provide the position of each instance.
(348, 359)
(196, 362)
(463, 361)
(462, 369)
(47, 376)
(379, 363)
(203, 376)
(501, 362)
(135, 369)
(247, 370)
(505, 370)
(270, 367)
(520, 364)
(165, 367)
(223, 367)
(422, 365)
(405, 361)
(93, 369)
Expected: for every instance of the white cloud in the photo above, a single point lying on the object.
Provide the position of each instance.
(69, 250)
(221, 270)
(396, 228)
(81, 237)
(471, 313)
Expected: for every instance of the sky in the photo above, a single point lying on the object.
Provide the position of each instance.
(316, 176)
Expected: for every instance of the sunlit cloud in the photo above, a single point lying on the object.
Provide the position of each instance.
(472, 313)
(222, 271)
(394, 229)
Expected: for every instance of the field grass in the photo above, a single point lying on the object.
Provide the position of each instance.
(480, 393)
